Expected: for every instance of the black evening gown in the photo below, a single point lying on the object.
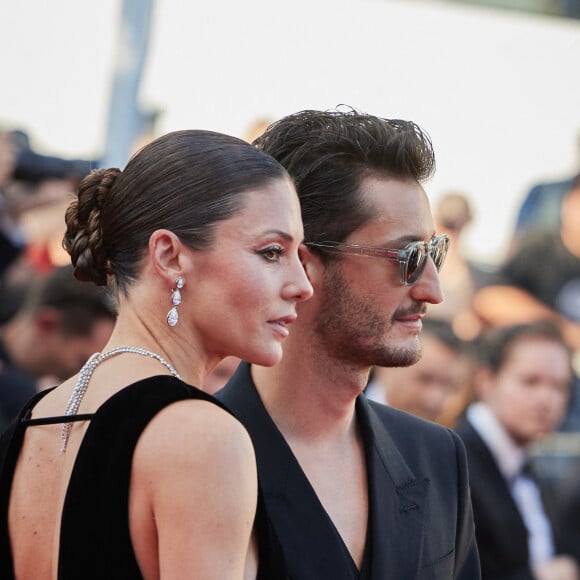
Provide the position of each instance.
(95, 541)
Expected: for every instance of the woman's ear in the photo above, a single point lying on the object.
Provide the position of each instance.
(167, 255)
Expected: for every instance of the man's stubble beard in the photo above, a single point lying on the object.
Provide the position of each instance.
(352, 328)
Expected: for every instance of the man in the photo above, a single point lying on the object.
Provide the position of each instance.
(11, 239)
(541, 280)
(424, 388)
(523, 391)
(462, 276)
(355, 489)
(540, 209)
(60, 324)
(570, 518)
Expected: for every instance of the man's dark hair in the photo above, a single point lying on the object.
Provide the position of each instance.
(80, 304)
(330, 153)
(497, 344)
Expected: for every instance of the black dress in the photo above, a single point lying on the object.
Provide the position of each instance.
(95, 541)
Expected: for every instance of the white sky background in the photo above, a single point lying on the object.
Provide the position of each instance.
(499, 92)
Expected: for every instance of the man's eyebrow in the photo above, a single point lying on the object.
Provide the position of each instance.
(404, 240)
(407, 239)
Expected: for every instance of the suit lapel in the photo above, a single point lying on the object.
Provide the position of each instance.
(396, 501)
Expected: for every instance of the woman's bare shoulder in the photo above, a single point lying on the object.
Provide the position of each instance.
(192, 432)
(194, 474)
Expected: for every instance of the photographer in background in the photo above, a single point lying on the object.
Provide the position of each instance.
(32, 167)
(11, 241)
(33, 187)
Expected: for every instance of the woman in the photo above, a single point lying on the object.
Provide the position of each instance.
(146, 476)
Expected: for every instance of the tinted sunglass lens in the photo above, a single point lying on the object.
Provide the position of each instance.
(436, 255)
(415, 264)
(439, 252)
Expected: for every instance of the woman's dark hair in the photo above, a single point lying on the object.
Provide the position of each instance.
(328, 155)
(185, 181)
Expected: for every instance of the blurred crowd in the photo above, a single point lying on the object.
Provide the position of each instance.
(50, 322)
(501, 366)
(512, 325)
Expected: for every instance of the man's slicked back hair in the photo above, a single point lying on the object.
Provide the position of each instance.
(329, 154)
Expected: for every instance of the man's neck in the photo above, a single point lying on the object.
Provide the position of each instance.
(310, 397)
(312, 401)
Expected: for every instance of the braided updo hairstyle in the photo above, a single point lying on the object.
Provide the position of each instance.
(185, 181)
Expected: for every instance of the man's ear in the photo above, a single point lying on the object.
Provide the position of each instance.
(167, 254)
(311, 263)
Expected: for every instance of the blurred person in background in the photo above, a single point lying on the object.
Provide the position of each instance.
(541, 279)
(423, 389)
(256, 128)
(12, 241)
(570, 516)
(462, 276)
(60, 324)
(541, 208)
(34, 191)
(523, 386)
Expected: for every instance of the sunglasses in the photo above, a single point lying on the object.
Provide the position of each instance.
(412, 258)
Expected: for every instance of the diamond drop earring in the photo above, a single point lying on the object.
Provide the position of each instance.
(173, 315)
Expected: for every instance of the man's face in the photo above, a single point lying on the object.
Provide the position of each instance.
(530, 391)
(66, 354)
(366, 315)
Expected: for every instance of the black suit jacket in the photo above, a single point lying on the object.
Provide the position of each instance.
(420, 518)
(570, 520)
(502, 536)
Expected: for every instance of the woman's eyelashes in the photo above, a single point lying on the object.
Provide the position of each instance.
(272, 253)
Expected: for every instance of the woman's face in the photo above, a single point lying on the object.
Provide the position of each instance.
(248, 283)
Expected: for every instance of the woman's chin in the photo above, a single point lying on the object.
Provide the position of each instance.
(267, 358)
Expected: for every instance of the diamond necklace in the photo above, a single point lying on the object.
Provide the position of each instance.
(86, 373)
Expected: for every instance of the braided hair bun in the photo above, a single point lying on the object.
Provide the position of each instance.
(83, 239)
